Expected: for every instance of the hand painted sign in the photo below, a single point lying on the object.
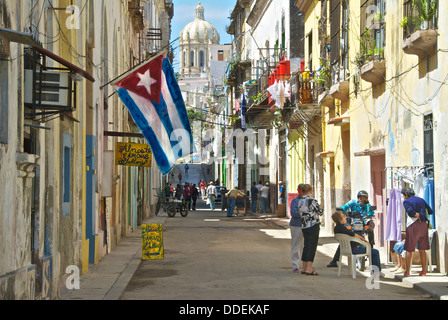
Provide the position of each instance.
(133, 154)
(152, 242)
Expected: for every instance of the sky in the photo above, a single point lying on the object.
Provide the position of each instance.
(217, 12)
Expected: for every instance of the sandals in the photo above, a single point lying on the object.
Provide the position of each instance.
(313, 273)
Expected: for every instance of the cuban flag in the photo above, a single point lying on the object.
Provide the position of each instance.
(154, 100)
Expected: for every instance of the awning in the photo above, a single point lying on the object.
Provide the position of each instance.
(371, 152)
(28, 39)
(19, 37)
(66, 63)
(339, 121)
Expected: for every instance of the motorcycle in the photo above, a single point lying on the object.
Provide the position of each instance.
(363, 226)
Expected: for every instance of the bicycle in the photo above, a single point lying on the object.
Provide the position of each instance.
(165, 205)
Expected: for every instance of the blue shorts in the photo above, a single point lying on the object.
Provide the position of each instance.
(399, 247)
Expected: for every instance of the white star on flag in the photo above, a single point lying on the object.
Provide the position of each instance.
(146, 81)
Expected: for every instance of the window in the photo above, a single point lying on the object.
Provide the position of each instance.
(220, 55)
(344, 40)
(201, 58)
(373, 34)
(4, 102)
(428, 143)
(192, 59)
(184, 63)
(66, 173)
(335, 34)
(310, 51)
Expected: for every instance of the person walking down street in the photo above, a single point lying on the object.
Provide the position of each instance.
(171, 191)
(180, 177)
(282, 193)
(232, 195)
(264, 196)
(254, 196)
(194, 195)
(203, 187)
(259, 186)
(340, 219)
(178, 193)
(296, 233)
(187, 195)
(167, 192)
(310, 212)
(211, 193)
(416, 228)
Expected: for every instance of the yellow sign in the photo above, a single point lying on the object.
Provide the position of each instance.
(133, 154)
(152, 242)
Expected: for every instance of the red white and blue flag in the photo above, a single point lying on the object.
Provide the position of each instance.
(154, 100)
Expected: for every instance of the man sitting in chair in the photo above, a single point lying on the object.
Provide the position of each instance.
(340, 219)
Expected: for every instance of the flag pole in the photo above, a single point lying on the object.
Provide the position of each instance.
(123, 75)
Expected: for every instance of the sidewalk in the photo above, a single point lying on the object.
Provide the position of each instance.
(434, 284)
(108, 279)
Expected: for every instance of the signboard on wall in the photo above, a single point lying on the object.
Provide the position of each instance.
(152, 242)
(133, 154)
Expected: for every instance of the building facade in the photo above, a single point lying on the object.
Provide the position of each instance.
(68, 204)
(383, 80)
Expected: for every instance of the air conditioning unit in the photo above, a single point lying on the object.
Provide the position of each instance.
(55, 89)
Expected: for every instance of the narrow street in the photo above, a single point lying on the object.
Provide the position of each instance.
(209, 256)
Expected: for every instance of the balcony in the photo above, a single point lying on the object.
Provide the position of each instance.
(374, 71)
(421, 43)
(304, 89)
(420, 27)
(340, 90)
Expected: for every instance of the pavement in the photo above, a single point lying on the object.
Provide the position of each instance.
(108, 279)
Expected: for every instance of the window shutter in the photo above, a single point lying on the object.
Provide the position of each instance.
(335, 31)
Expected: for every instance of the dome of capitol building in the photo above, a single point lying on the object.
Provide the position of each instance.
(199, 30)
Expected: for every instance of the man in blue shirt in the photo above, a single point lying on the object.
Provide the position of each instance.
(296, 231)
(361, 205)
(416, 228)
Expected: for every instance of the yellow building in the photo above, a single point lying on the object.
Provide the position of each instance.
(382, 66)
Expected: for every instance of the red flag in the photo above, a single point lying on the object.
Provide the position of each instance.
(145, 81)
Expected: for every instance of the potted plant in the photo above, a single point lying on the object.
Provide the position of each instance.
(427, 10)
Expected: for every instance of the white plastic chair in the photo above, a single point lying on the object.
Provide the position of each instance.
(346, 250)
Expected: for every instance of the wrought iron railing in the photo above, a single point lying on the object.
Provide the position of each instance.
(304, 88)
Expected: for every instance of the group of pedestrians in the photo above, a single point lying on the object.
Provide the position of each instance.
(188, 192)
(305, 214)
(260, 195)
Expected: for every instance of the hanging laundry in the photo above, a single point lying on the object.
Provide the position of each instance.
(393, 217)
(428, 195)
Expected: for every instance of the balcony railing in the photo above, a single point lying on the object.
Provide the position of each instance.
(257, 93)
(304, 88)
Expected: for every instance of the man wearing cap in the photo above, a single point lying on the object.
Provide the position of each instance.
(363, 207)
(416, 228)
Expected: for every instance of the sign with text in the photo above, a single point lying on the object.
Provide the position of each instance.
(152, 242)
(133, 154)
